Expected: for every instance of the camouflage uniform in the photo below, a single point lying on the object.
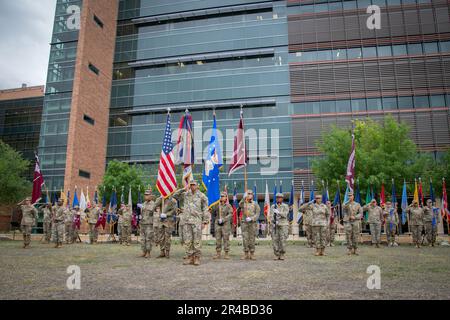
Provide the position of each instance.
(47, 224)
(29, 215)
(251, 210)
(391, 218)
(75, 214)
(147, 234)
(375, 219)
(307, 219)
(280, 228)
(58, 225)
(126, 214)
(164, 226)
(320, 216)
(332, 229)
(68, 226)
(92, 216)
(430, 230)
(222, 211)
(416, 223)
(352, 226)
(195, 213)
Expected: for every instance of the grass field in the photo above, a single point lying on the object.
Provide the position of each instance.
(111, 271)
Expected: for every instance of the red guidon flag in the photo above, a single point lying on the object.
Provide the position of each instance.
(166, 182)
(267, 202)
(239, 158)
(38, 182)
(350, 177)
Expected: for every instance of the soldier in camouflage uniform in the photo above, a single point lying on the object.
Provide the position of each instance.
(391, 223)
(58, 224)
(332, 227)
(319, 223)
(280, 226)
(431, 221)
(375, 219)
(352, 218)
(76, 217)
(92, 215)
(29, 216)
(250, 215)
(68, 226)
(223, 212)
(164, 224)
(416, 222)
(126, 213)
(307, 219)
(146, 224)
(196, 217)
(47, 222)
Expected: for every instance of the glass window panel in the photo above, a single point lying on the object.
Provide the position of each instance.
(328, 106)
(343, 106)
(369, 52)
(430, 47)
(354, 53)
(349, 5)
(414, 48)
(359, 105)
(405, 102)
(389, 103)
(339, 54)
(445, 46)
(374, 104)
(437, 101)
(384, 51)
(399, 50)
(421, 102)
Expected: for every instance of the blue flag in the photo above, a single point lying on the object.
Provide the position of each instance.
(213, 162)
(346, 194)
(274, 194)
(325, 196)
(95, 197)
(433, 199)
(281, 186)
(404, 203)
(337, 203)
(255, 195)
(394, 195)
(311, 193)
(301, 200)
(104, 200)
(291, 203)
(358, 194)
(75, 202)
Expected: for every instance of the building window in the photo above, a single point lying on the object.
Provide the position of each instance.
(94, 69)
(98, 21)
(84, 174)
(89, 119)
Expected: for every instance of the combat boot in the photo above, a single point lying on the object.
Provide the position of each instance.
(354, 252)
(245, 256)
(167, 254)
(196, 261)
(350, 252)
(252, 256)
(217, 256)
(161, 255)
(144, 254)
(189, 260)
(56, 244)
(226, 256)
(276, 257)
(281, 257)
(59, 244)
(377, 245)
(317, 253)
(322, 252)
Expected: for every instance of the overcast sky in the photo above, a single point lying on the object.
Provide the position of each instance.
(25, 33)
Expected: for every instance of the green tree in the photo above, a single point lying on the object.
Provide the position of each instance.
(119, 174)
(13, 186)
(384, 152)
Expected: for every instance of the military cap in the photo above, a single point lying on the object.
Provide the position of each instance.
(279, 195)
(76, 207)
(249, 191)
(350, 193)
(193, 183)
(28, 199)
(223, 194)
(148, 192)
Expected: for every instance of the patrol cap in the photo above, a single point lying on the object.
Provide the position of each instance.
(148, 192)
(350, 193)
(76, 207)
(193, 183)
(388, 202)
(249, 191)
(223, 194)
(28, 199)
(429, 201)
(279, 195)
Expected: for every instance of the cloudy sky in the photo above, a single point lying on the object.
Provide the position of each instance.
(25, 33)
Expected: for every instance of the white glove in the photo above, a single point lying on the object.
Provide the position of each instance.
(248, 219)
(140, 205)
(163, 215)
(276, 211)
(220, 221)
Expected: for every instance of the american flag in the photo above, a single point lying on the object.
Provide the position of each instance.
(166, 182)
(350, 178)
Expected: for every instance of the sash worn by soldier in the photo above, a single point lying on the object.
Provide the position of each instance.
(320, 218)
(58, 224)
(250, 214)
(223, 214)
(431, 221)
(146, 224)
(195, 214)
(68, 226)
(126, 214)
(47, 222)
(93, 215)
(375, 219)
(352, 218)
(416, 222)
(391, 223)
(307, 219)
(29, 215)
(280, 226)
(164, 224)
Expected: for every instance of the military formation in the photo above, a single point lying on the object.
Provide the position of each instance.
(188, 207)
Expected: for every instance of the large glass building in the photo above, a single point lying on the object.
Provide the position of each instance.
(296, 67)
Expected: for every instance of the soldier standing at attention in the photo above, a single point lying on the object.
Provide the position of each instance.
(29, 215)
(58, 223)
(76, 223)
(250, 215)
(375, 219)
(391, 218)
(416, 222)
(68, 226)
(223, 213)
(307, 219)
(431, 222)
(92, 216)
(47, 222)
(280, 226)
(164, 224)
(319, 223)
(332, 227)
(352, 216)
(146, 224)
(196, 217)
(126, 214)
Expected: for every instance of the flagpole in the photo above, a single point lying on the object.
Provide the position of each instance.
(443, 201)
